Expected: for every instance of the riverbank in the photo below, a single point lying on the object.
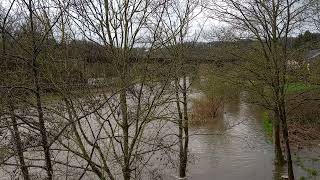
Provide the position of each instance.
(304, 135)
(304, 117)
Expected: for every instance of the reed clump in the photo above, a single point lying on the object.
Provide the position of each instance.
(206, 109)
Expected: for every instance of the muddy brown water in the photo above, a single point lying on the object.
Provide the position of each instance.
(234, 146)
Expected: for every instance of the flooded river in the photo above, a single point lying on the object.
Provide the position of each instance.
(232, 146)
(242, 151)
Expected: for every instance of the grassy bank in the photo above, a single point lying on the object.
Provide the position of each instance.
(267, 125)
(300, 87)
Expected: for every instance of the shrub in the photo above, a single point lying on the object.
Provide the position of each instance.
(205, 109)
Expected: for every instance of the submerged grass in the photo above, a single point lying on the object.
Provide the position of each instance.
(312, 172)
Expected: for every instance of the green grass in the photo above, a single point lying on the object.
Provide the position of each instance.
(299, 87)
(267, 125)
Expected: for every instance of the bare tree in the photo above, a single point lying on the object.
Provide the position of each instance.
(313, 13)
(28, 50)
(179, 15)
(269, 23)
(121, 28)
(10, 100)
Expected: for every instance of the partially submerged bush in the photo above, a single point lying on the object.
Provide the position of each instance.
(205, 109)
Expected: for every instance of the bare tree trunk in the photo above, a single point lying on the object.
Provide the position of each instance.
(125, 128)
(43, 132)
(286, 139)
(18, 144)
(185, 127)
(180, 135)
(276, 139)
(37, 91)
(15, 132)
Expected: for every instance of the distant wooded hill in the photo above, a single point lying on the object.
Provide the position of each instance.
(86, 52)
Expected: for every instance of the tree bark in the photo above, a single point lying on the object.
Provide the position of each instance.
(44, 137)
(125, 128)
(286, 139)
(279, 159)
(18, 144)
(180, 126)
(185, 127)
(37, 91)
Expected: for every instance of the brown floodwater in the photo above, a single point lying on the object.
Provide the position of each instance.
(235, 146)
